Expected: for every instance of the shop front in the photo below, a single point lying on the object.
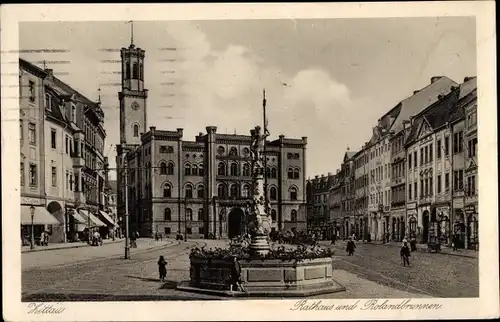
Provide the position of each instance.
(472, 226)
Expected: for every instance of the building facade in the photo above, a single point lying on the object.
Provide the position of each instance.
(334, 205)
(68, 141)
(348, 196)
(198, 188)
(319, 221)
(361, 175)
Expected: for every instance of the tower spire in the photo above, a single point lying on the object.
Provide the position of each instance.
(131, 22)
(99, 94)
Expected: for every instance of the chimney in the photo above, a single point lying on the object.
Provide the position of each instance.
(316, 177)
(200, 134)
(468, 78)
(435, 79)
(415, 92)
(440, 96)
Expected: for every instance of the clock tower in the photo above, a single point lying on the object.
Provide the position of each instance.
(133, 96)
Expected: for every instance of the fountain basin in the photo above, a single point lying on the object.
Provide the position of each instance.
(269, 277)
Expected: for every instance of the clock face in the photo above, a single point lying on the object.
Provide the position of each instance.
(135, 106)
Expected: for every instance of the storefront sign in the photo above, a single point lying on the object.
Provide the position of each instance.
(443, 210)
(412, 205)
(32, 201)
(470, 209)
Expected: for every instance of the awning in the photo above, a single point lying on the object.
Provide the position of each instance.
(41, 216)
(94, 221)
(78, 218)
(107, 218)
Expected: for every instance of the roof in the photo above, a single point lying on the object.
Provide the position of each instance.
(469, 85)
(421, 100)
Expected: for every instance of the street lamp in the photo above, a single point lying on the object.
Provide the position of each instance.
(32, 210)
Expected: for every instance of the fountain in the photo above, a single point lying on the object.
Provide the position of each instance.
(264, 272)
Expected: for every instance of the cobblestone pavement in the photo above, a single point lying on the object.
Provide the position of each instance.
(115, 279)
(71, 256)
(431, 274)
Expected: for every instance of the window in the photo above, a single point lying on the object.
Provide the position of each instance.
(167, 191)
(67, 144)
(290, 173)
(167, 214)
(414, 159)
(421, 156)
(245, 193)
(201, 191)
(439, 184)
(221, 190)
(458, 142)
(472, 118)
(296, 173)
(472, 147)
(32, 133)
(446, 145)
(233, 152)
(273, 193)
(163, 168)
(415, 189)
(136, 130)
(33, 175)
(189, 191)
(447, 181)
(135, 70)
(170, 168)
(234, 190)
(166, 230)
(234, 169)
(189, 230)
(274, 173)
(409, 161)
(32, 91)
(221, 169)
(194, 170)
(77, 183)
(127, 70)
(189, 214)
(201, 216)
(73, 113)
(421, 189)
(431, 186)
(246, 170)
(430, 152)
(22, 174)
(471, 185)
(293, 215)
(187, 169)
(458, 177)
(54, 177)
(273, 215)
(293, 193)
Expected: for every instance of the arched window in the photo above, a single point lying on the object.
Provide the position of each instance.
(273, 214)
(293, 215)
(293, 193)
(187, 170)
(274, 173)
(234, 169)
(127, 71)
(163, 168)
(268, 172)
(189, 214)
(245, 193)
(167, 191)
(290, 173)
(194, 170)
(135, 71)
(221, 169)
(246, 170)
(201, 214)
(274, 193)
(136, 130)
(233, 152)
(296, 173)
(170, 168)
(221, 190)
(189, 191)
(201, 191)
(167, 214)
(141, 71)
(234, 190)
(201, 170)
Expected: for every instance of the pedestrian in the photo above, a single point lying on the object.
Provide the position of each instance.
(42, 238)
(133, 238)
(162, 268)
(405, 240)
(350, 247)
(405, 254)
(235, 279)
(454, 242)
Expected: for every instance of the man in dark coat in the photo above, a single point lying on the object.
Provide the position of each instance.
(235, 275)
(405, 254)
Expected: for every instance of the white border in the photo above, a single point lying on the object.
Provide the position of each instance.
(485, 306)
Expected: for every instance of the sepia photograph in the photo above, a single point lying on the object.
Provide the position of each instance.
(237, 160)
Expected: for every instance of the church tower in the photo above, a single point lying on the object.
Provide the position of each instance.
(133, 95)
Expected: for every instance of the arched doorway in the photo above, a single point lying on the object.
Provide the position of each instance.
(402, 231)
(235, 223)
(57, 233)
(425, 226)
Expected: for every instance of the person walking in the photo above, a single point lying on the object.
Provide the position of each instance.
(350, 247)
(235, 276)
(405, 254)
(162, 268)
(42, 238)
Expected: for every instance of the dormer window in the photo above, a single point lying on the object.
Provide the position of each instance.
(48, 102)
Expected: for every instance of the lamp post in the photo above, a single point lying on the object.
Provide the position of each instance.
(32, 210)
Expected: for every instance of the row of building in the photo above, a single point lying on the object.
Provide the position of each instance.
(62, 149)
(416, 177)
(202, 187)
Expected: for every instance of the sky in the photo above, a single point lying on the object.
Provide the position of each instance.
(326, 79)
